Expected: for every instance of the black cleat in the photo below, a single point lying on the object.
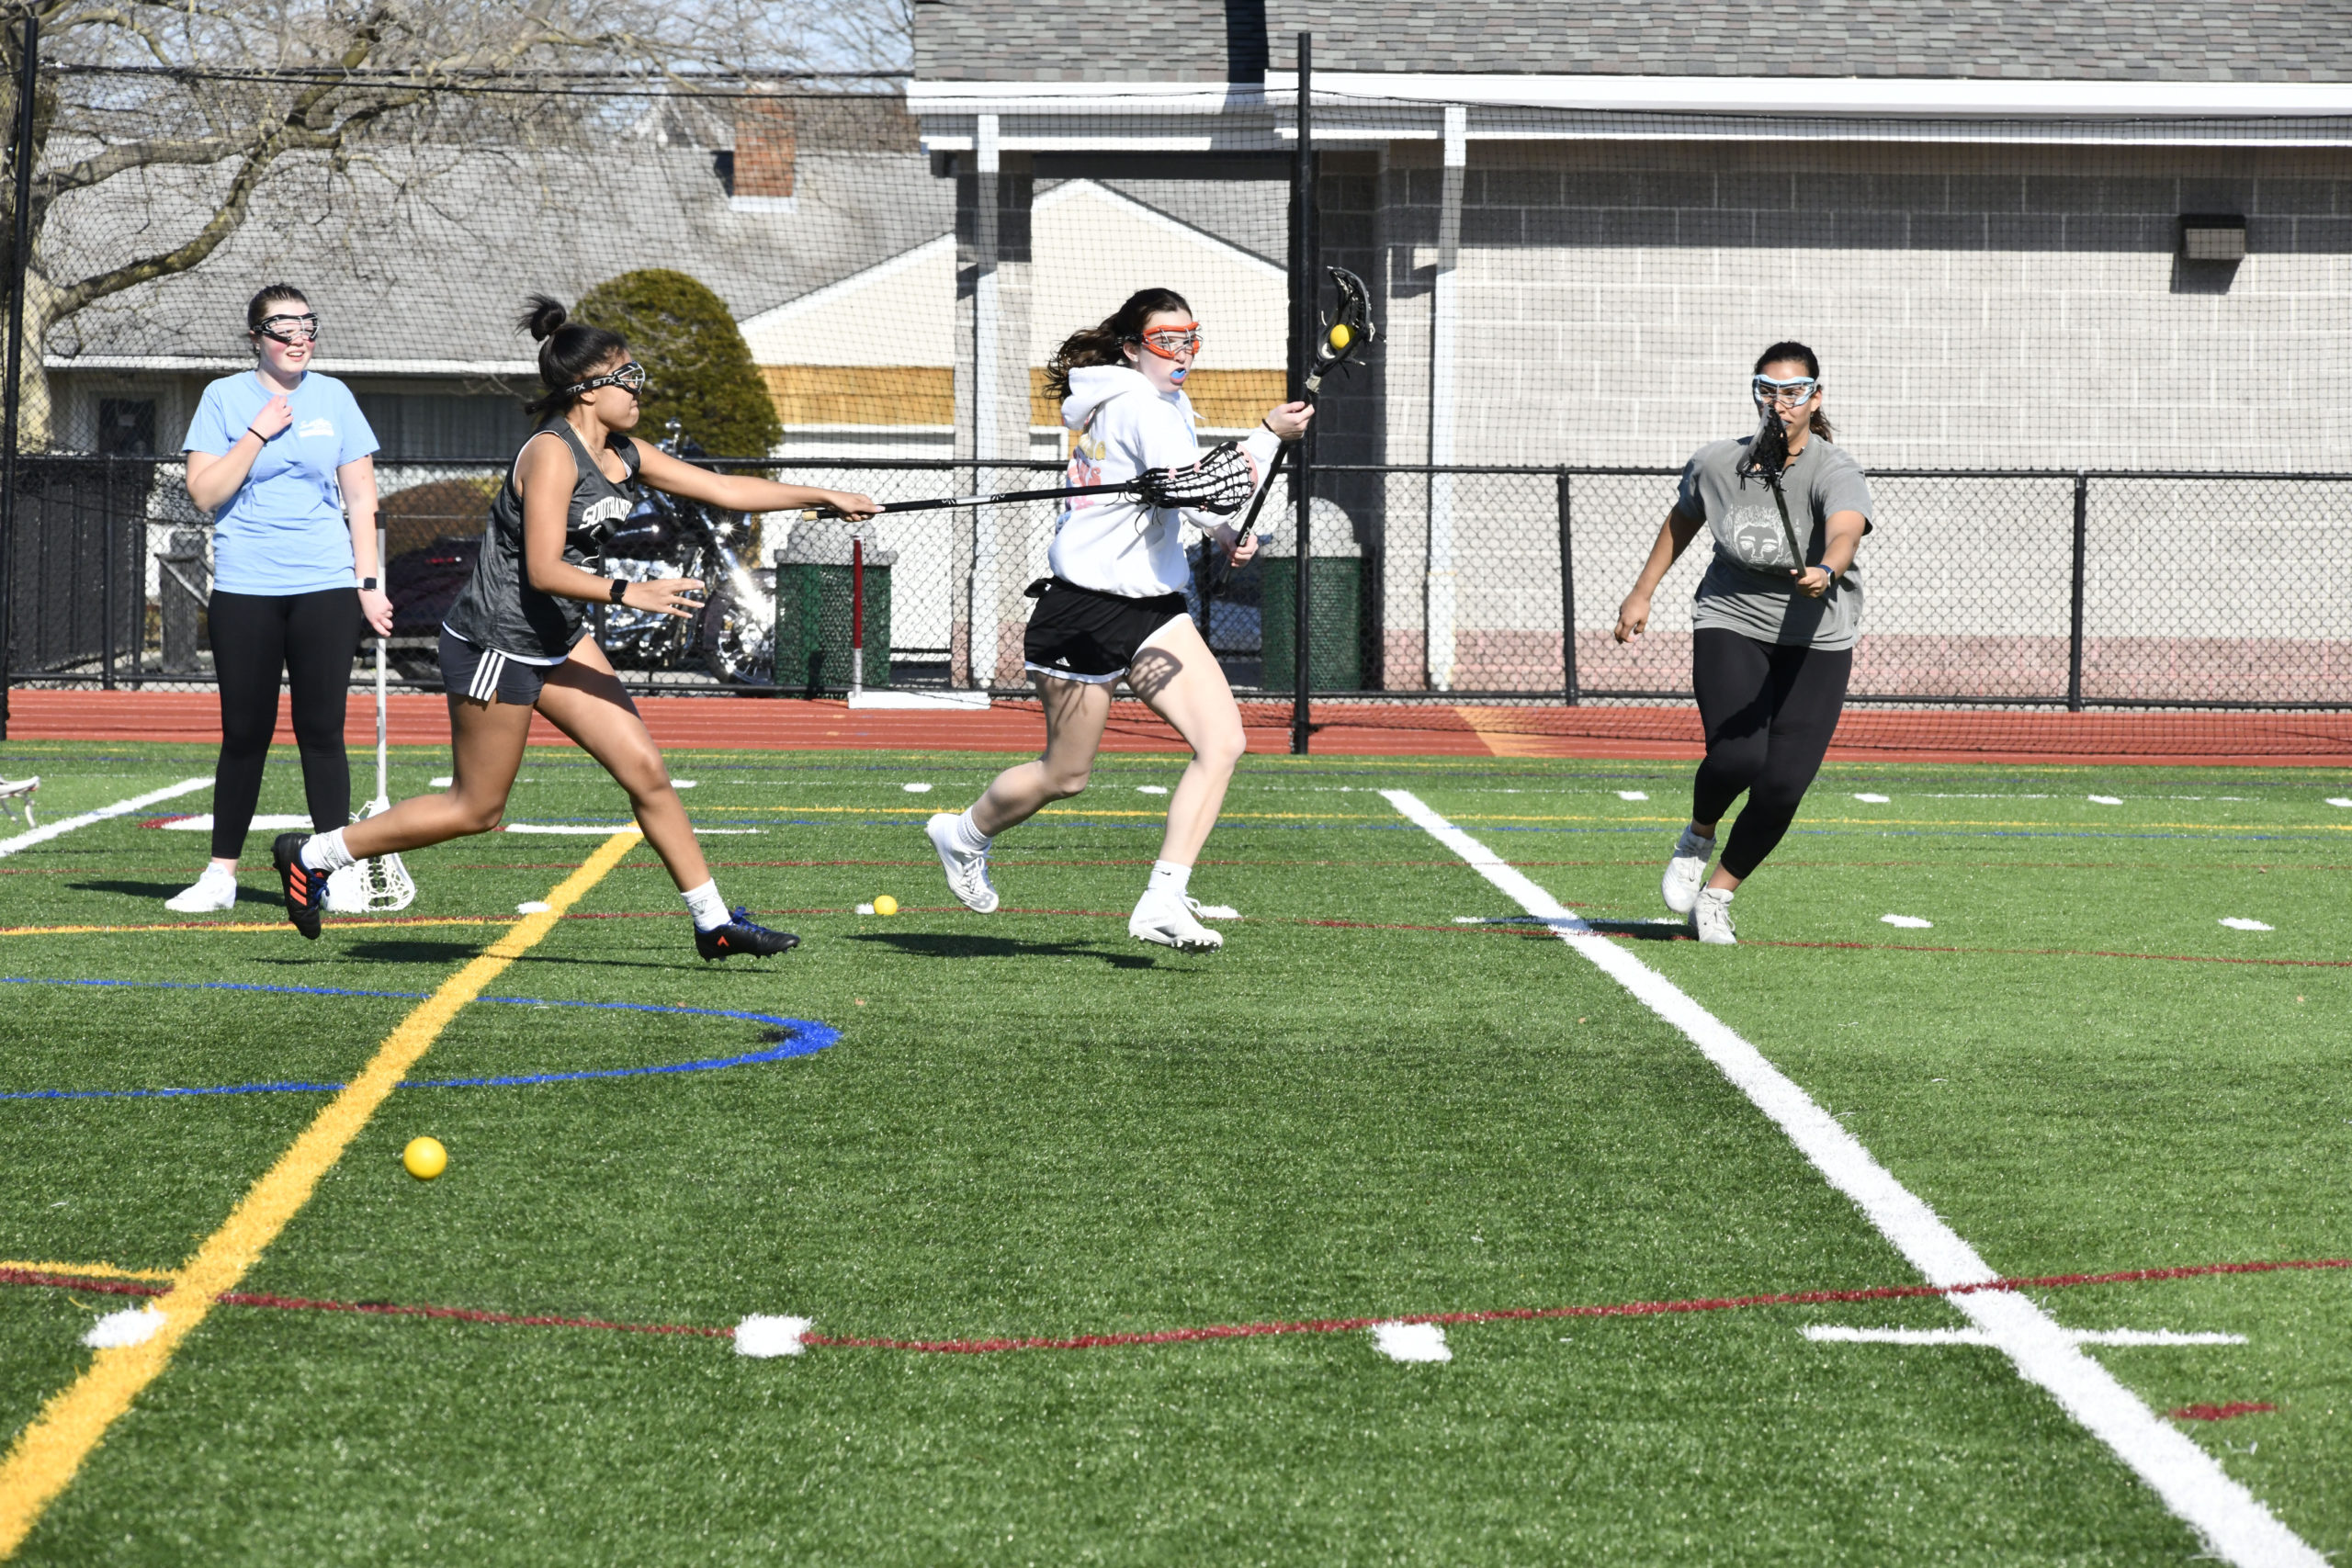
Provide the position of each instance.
(740, 934)
(306, 890)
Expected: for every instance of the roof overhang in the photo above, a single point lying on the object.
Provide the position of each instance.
(1162, 117)
(195, 364)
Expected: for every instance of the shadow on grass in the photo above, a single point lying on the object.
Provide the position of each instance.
(139, 889)
(927, 945)
(1643, 931)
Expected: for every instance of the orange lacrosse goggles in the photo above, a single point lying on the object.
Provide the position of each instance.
(1167, 342)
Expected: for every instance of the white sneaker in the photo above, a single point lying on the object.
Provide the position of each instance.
(1687, 872)
(967, 873)
(1711, 917)
(1168, 919)
(214, 891)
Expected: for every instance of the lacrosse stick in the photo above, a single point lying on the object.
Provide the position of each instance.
(382, 884)
(16, 797)
(1340, 342)
(1769, 455)
(1219, 483)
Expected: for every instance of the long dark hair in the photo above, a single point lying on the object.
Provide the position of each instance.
(569, 352)
(1102, 343)
(1819, 423)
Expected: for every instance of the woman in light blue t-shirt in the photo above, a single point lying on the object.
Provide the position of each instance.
(283, 459)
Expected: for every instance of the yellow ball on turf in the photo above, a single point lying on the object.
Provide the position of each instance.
(1340, 336)
(885, 905)
(425, 1158)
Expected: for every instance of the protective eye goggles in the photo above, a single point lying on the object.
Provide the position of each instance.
(290, 329)
(629, 379)
(1169, 342)
(1797, 389)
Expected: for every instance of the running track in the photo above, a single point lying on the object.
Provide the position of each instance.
(1415, 730)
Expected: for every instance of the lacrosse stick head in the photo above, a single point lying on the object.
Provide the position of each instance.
(1221, 483)
(1349, 329)
(374, 887)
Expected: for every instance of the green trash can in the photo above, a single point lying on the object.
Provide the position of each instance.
(812, 609)
(1334, 611)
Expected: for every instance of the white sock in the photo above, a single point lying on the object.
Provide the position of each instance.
(325, 851)
(707, 907)
(969, 837)
(1166, 877)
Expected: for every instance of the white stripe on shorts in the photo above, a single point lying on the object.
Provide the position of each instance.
(486, 674)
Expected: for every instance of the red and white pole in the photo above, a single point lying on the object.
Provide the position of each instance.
(857, 616)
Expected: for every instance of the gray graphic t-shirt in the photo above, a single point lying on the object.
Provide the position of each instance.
(1747, 588)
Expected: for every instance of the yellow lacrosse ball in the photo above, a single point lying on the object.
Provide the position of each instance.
(885, 905)
(425, 1158)
(1340, 336)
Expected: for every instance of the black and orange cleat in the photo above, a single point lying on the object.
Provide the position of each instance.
(741, 934)
(306, 890)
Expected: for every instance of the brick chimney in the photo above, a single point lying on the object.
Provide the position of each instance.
(766, 138)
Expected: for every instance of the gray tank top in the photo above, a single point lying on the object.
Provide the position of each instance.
(498, 608)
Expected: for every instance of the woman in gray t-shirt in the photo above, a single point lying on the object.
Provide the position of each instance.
(1773, 627)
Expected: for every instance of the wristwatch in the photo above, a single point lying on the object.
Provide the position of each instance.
(368, 585)
(620, 586)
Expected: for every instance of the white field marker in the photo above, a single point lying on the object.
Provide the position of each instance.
(2105, 799)
(1908, 922)
(1217, 912)
(2239, 923)
(1411, 1341)
(119, 809)
(2233, 1522)
(916, 789)
(1633, 794)
(202, 823)
(1875, 799)
(1832, 1332)
(444, 782)
(1151, 789)
(532, 907)
(764, 1337)
(2340, 800)
(133, 1326)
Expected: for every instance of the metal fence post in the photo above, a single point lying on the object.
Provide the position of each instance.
(1568, 598)
(106, 526)
(2075, 621)
(1303, 293)
(21, 151)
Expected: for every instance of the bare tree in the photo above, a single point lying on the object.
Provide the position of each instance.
(231, 93)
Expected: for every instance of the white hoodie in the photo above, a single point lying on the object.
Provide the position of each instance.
(1114, 544)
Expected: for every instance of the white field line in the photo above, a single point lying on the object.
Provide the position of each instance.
(2127, 1337)
(2233, 1523)
(119, 809)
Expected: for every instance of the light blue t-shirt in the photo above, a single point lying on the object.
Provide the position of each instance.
(283, 532)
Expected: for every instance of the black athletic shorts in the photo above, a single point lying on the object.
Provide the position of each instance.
(478, 673)
(1081, 634)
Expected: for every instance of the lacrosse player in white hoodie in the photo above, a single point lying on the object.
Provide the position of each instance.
(1115, 609)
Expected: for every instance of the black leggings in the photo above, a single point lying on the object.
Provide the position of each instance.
(310, 638)
(1768, 710)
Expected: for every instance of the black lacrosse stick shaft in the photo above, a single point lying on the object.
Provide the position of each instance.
(1769, 455)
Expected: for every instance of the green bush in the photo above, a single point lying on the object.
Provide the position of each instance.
(701, 369)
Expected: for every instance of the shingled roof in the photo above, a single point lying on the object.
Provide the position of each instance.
(1198, 40)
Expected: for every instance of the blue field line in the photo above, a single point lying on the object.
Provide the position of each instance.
(806, 1037)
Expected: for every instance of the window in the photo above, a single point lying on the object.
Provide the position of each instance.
(436, 426)
(127, 427)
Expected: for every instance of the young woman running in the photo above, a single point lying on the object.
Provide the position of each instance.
(283, 458)
(1115, 607)
(516, 639)
(1774, 633)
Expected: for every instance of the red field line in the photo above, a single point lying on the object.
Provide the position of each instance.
(58, 1281)
(1341, 729)
(2219, 1411)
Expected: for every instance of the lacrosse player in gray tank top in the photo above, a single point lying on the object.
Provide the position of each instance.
(516, 639)
(1114, 608)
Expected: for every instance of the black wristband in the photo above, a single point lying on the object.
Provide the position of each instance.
(257, 436)
(620, 586)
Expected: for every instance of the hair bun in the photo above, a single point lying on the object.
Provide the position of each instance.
(542, 317)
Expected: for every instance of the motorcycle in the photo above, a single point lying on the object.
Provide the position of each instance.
(668, 536)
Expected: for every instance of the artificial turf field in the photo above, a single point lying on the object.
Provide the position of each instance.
(1031, 1125)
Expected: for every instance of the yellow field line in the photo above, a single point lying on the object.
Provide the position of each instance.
(250, 926)
(88, 1270)
(47, 1453)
